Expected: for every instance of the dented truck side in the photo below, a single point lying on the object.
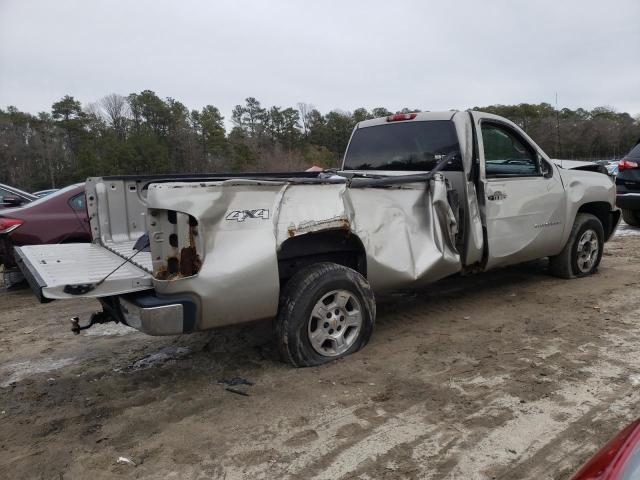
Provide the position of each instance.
(456, 192)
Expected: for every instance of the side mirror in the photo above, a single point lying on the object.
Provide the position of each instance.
(12, 200)
(545, 168)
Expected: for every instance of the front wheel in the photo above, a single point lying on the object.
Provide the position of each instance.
(327, 311)
(583, 251)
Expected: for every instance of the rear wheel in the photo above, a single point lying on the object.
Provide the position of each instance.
(631, 217)
(583, 251)
(327, 311)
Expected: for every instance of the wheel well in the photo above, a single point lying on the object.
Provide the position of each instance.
(601, 211)
(337, 246)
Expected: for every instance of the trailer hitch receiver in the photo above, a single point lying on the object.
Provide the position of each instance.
(97, 317)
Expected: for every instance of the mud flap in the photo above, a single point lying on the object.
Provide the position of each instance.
(79, 270)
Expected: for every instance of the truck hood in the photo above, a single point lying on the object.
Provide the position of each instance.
(580, 165)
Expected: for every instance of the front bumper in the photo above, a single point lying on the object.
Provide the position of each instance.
(155, 315)
(630, 201)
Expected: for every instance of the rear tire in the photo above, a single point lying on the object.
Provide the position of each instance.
(327, 311)
(582, 253)
(631, 217)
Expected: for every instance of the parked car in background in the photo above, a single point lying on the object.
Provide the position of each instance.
(57, 218)
(617, 460)
(11, 197)
(44, 193)
(628, 186)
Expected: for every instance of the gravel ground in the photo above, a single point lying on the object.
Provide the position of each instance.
(510, 374)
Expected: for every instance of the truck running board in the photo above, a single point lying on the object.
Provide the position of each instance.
(67, 270)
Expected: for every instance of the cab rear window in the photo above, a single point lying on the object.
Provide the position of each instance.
(411, 146)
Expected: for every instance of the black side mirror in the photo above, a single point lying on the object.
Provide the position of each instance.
(12, 200)
(545, 169)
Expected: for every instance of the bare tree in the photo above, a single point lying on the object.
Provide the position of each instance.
(305, 110)
(116, 110)
(93, 109)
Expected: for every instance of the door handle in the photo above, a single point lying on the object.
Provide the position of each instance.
(497, 195)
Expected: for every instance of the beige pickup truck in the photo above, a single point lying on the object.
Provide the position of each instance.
(419, 197)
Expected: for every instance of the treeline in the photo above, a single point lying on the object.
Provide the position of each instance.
(145, 134)
(580, 134)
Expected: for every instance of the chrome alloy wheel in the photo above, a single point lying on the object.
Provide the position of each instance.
(335, 323)
(588, 251)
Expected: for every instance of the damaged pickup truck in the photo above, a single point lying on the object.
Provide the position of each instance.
(419, 197)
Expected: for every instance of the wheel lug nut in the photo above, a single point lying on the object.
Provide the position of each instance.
(326, 325)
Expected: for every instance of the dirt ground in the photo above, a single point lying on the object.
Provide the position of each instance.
(507, 375)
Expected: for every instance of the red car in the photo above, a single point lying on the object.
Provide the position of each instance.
(617, 460)
(57, 218)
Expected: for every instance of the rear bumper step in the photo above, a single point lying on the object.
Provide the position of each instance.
(158, 316)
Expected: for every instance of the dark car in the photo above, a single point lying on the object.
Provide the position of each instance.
(57, 218)
(617, 460)
(44, 193)
(628, 186)
(11, 197)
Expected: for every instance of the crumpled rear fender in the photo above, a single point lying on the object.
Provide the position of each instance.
(408, 233)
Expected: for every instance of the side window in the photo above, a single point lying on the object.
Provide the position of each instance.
(77, 202)
(506, 154)
(3, 192)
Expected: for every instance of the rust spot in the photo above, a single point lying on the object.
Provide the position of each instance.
(190, 262)
(173, 265)
(161, 273)
(323, 225)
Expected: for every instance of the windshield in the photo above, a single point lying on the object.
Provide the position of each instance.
(411, 146)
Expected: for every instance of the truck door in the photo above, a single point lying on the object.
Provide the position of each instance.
(522, 192)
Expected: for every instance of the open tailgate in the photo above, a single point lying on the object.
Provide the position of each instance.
(52, 269)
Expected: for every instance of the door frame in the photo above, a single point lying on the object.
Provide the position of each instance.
(478, 173)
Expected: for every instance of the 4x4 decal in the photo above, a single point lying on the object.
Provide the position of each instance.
(242, 215)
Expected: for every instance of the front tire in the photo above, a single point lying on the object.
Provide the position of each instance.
(327, 311)
(631, 217)
(581, 255)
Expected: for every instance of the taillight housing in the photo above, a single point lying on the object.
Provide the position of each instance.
(8, 225)
(399, 117)
(625, 164)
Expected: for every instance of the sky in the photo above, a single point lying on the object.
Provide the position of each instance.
(430, 55)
